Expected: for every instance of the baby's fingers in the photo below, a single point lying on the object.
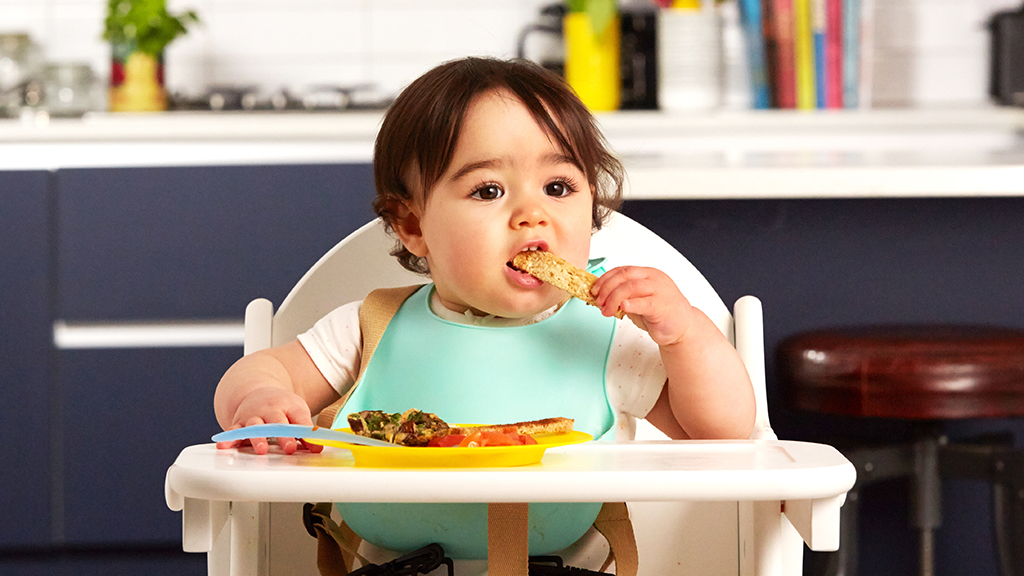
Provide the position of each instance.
(314, 448)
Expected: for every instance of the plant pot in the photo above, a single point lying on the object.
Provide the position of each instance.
(136, 80)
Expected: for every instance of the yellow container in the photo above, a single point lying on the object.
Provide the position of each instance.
(592, 61)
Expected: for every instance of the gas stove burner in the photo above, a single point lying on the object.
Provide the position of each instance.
(316, 98)
(222, 98)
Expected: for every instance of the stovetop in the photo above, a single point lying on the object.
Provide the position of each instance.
(316, 98)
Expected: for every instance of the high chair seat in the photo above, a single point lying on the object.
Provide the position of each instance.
(926, 375)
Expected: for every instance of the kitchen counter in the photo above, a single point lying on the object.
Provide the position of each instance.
(743, 154)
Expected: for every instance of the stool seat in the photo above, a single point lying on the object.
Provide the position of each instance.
(908, 372)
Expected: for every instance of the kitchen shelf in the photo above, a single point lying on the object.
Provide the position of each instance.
(719, 154)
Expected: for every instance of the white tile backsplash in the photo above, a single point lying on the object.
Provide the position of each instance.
(927, 51)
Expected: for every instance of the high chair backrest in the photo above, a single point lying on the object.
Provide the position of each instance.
(362, 262)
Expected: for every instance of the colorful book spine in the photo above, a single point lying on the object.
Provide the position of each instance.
(867, 53)
(851, 52)
(803, 52)
(753, 27)
(785, 62)
(834, 54)
(819, 27)
(770, 51)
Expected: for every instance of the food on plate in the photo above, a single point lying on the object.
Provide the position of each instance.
(410, 428)
(417, 428)
(555, 270)
(545, 426)
(481, 439)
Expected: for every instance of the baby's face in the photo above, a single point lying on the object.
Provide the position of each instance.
(509, 188)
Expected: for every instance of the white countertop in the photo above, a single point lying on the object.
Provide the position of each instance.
(722, 154)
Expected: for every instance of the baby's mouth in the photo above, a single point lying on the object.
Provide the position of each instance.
(512, 265)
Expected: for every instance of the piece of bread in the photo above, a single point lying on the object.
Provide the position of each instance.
(555, 270)
(545, 426)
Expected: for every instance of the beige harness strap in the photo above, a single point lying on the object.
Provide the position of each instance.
(376, 312)
(508, 534)
(614, 524)
(337, 545)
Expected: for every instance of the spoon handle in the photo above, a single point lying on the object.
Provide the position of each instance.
(297, 431)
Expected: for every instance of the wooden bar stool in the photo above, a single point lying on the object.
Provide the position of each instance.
(923, 374)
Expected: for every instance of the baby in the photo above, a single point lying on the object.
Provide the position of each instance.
(476, 161)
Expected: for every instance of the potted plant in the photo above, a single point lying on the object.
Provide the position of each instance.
(138, 32)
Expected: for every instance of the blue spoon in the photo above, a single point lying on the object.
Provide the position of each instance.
(297, 431)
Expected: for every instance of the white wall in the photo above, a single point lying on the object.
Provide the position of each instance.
(928, 52)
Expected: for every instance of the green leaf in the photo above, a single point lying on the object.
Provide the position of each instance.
(146, 24)
(601, 12)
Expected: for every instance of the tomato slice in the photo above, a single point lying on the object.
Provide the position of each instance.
(481, 439)
(446, 441)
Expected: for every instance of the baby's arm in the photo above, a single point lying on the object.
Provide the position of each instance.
(276, 385)
(708, 393)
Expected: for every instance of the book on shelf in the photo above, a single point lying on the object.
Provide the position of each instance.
(867, 53)
(851, 52)
(809, 54)
(833, 54)
(803, 51)
(819, 28)
(784, 81)
(752, 22)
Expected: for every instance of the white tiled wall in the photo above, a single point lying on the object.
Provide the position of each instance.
(927, 52)
(931, 52)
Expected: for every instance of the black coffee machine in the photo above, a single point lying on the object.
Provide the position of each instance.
(1007, 74)
(638, 57)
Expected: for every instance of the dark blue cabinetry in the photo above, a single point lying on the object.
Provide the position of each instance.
(25, 318)
(201, 242)
(83, 483)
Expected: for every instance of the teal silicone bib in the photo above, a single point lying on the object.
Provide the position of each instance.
(476, 374)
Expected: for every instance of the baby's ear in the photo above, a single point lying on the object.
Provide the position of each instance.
(407, 226)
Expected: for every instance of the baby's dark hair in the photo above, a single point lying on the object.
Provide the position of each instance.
(422, 127)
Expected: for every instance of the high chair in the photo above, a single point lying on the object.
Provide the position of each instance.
(707, 537)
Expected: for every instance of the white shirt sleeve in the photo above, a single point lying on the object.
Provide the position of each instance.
(334, 344)
(635, 377)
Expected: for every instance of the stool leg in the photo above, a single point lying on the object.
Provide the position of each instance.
(994, 460)
(872, 464)
(1008, 511)
(927, 492)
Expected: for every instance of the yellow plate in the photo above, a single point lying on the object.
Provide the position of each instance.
(432, 457)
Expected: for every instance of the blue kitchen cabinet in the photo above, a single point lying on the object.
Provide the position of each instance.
(26, 244)
(170, 244)
(197, 242)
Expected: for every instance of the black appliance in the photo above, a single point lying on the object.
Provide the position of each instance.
(1007, 72)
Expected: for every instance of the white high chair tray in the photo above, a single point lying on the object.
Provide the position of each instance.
(805, 482)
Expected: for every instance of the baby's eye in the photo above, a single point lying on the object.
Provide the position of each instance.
(558, 189)
(488, 192)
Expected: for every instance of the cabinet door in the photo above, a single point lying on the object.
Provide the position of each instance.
(127, 414)
(198, 242)
(25, 351)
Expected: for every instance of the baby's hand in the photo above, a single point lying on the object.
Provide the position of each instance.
(649, 297)
(271, 406)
